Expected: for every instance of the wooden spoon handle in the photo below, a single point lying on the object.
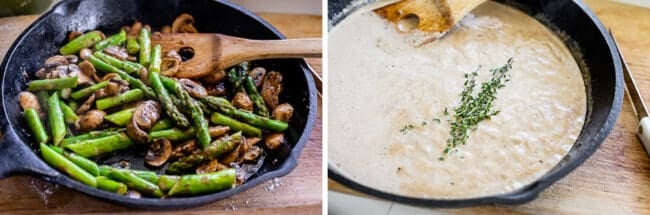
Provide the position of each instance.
(235, 50)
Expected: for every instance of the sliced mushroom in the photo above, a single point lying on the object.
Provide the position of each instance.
(111, 89)
(82, 78)
(184, 23)
(218, 89)
(231, 156)
(271, 88)
(73, 35)
(212, 166)
(86, 105)
(184, 149)
(144, 76)
(195, 90)
(242, 101)
(117, 52)
(110, 77)
(215, 77)
(147, 114)
(41, 73)
(58, 72)
(55, 61)
(257, 74)
(218, 130)
(126, 28)
(84, 53)
(90, 121)
(135, 29)
(169, 66)
(159, 152)
(174, 54)
(89, 70)
(274, 140)
(132, 58)
(72, 59)
(122, 164)
(166, 29)
(29, 100)
(252, 154)
(283, 112)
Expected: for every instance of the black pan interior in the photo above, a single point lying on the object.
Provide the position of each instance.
(591, 44)
(43, 38)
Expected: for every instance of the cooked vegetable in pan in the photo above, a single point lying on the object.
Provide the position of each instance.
(104, 95)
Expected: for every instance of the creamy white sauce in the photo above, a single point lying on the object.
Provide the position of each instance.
(379, 82)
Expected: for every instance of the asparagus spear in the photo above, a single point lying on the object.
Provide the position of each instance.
(85, 163)
(94, 147)
(85, 92)
(176, 134)
(101, 65)
(43, 97)
(90, 135)
(124, 98)
(214, 150)
(200, 123)
(145, 47)
(258, 101)
(237, 74)
(57, 123)
(222, 105)
(69, 115)
(61, 163)
(166, 182)
(247, 129)
(129, 67)
(163, 124)
(163, 96)
(132, 46)
(109, 185)
(35, 125)
(146, 175)
(120, 118)
(114, 40)
(52, 84)
(84, 41)
(134, 182)
(204, 183)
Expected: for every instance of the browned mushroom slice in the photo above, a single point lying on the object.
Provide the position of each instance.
(90, 121)
(74, 34)
(242, 101)
(231, 156)
(215, 77)
(283, 112)
(257, 74)
(166, 29)
(41, 73)
(169, 66)
(184, 149)
(117, 52)
(218, 130)
(144, 76)
(218, 89)
(84, 53)
(147, 114)
(82, 78)
(132, 58)
(184, 23)
(86, 105)
(89, 70)
(135, 29)
(29, 100)
(122, 164)
(159, 152)
(135, 133)
(72, 59)
(274, 140)
(271, 88)
(252, 154)
(58, 72)
(55, 61)
(111, 89)
(174, 54)
(195, 90)
(212, 166)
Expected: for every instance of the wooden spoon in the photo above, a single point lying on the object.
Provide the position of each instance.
(434, 16)
(207, 53)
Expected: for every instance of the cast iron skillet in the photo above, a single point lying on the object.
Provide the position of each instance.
(19, 153)
(604, 86)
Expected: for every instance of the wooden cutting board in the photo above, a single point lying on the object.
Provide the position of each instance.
(616, 179)
(297, 193)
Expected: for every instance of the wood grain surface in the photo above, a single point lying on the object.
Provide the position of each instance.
(297, 193)
(616, 179)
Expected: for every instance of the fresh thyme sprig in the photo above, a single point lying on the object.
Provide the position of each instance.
(474, 109)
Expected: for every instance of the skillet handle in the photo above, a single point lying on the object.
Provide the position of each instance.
(16, 157)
